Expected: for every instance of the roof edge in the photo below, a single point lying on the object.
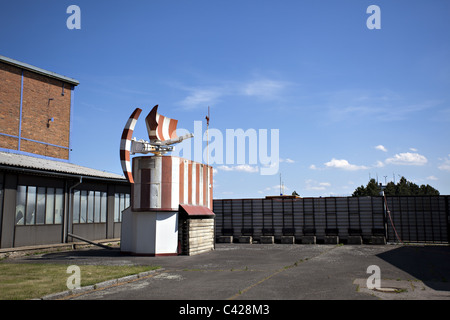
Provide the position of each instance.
(32, 68)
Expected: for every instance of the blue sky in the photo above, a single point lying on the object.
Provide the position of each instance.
(349, 102)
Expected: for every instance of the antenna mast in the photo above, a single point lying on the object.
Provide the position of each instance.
(280, 186)
(207, 138)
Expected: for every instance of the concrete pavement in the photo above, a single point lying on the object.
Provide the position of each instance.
(272, 272)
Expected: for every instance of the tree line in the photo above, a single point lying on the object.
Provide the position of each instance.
(402, 188)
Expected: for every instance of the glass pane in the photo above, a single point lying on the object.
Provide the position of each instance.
(83, 206)
(127, 203)
(90, 217)
(116, 208)
(20, 205)
(76, 206)
(50, 206)
(59, 205)
(122, 202)
(127, 200)
(31, 205)
(40, 208)
(104, 207)
(97, 206)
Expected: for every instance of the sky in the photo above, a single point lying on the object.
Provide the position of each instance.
(331, 100)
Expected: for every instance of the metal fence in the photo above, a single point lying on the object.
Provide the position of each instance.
(418, 219)
(414, 219)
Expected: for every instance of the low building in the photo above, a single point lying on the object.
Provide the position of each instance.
(44, 199)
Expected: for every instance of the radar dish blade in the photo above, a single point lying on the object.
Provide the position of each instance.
(125, 144)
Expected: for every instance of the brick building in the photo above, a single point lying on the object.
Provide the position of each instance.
(45, 199)
(35, 109)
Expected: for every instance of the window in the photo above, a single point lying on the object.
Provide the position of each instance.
(31, 205)
(76, 206)
(59, 205)
(89, 206)
(21, 197)
(121, 202)
(39, 205)
(97, 197)
(103, 206)
(50, 205)
(83, 206)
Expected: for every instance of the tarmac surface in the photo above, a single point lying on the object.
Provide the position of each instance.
(270, 272)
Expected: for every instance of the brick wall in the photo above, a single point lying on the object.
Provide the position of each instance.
(43, 98)
(10, 82)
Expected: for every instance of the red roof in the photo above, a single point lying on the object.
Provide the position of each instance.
(192, 210)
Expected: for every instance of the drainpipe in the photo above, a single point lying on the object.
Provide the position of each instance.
(68, 214)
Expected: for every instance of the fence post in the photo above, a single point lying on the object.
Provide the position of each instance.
(385, 216)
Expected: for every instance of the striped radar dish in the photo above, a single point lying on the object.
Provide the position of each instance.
(159, 127)
(125, 144)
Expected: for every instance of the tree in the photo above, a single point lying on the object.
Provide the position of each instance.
(372, 189)
(428, 190)
(402, 188)
(295, 193)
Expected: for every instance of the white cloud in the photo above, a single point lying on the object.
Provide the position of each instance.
(379, 164)
(272, 188)
(210, 95)
(445, 165)
(343, 164)
(375, 105)
(432, 178)
(241, 167)
(413, 149)
(287, 160)
(202, 97)
(407, 158)
(315, 185)
(381, 147)
(263, 88)
(277, 187)
(313, 167)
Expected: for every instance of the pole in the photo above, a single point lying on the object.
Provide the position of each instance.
(207, 138)
(280, 186)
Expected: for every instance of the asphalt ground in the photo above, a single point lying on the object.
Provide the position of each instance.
(262, 274)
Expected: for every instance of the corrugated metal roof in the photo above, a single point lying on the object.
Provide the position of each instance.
(46, 165)
(47, 73)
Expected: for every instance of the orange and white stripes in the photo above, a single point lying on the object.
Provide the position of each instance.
(125, 144)
(195, 183)
(159, 127)
(163, 183)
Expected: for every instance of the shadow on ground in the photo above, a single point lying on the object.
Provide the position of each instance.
(430, 264)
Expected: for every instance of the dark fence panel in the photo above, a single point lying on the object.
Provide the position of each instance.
(408, 219)
(418, 219)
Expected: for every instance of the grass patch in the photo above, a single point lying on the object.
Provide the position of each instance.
(22, 281)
